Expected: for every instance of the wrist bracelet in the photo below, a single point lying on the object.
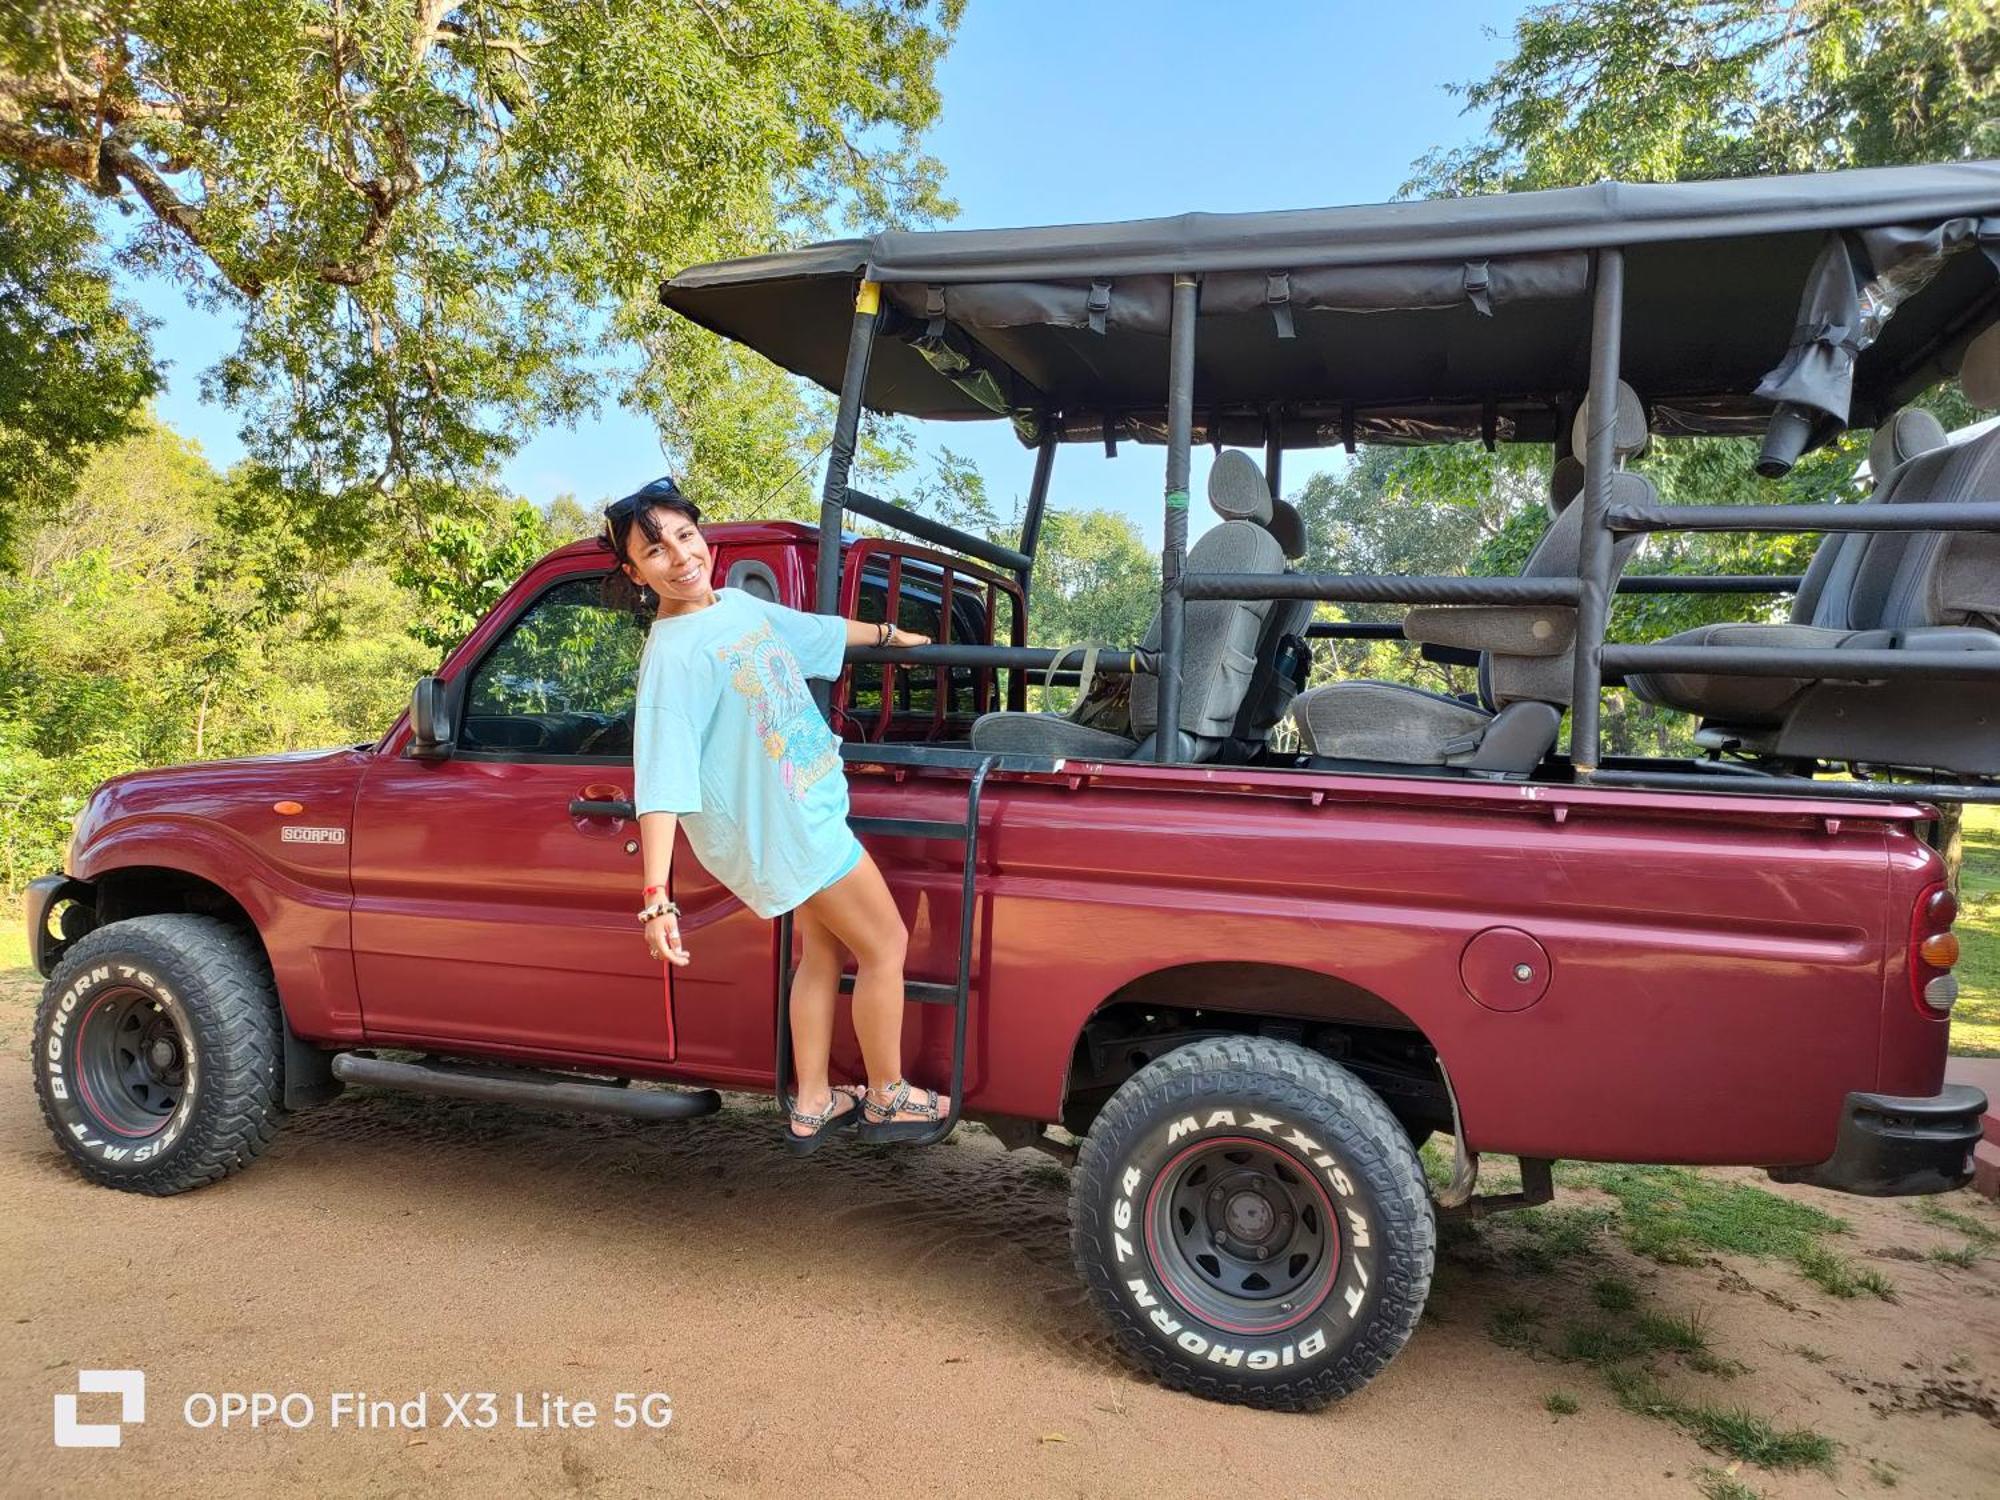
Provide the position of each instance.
(659, 909)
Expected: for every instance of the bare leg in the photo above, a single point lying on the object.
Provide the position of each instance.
(814, 988)
(860, 912)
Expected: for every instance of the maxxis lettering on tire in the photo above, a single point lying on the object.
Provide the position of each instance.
(1202, 1164)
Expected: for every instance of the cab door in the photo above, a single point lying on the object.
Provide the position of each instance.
(495, 890)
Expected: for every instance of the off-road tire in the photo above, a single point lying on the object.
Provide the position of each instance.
(201, 989)
(1301, 1139)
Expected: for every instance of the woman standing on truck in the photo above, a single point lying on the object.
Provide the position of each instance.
(726, 735)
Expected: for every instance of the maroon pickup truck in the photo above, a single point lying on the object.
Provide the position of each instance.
(1251, 975)
(1250, 990)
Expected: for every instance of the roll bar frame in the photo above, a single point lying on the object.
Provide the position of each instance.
(1590, 592)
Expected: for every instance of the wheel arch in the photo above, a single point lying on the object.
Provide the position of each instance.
(137, 890)
(1171, 1006)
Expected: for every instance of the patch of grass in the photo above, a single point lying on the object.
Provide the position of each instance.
(1809, 1354)
(1047, 1174)
(1664, 1331)
(1963, 1257)
(1511, 1325)
(1614, 1294)
(1733, 1431)
(1599, 1343)
(1947, 1218)
(1674, 1215)
(1549, 1236)
(1716, 1485)
(1561, 1404)
(1708, 1362)
(1975, 1020)
(1838, 1276)
(1885, 1473)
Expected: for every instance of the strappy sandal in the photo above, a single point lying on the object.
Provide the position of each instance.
(879, 1124)
(826, 1122)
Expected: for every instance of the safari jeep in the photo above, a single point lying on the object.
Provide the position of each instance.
(1237, 958)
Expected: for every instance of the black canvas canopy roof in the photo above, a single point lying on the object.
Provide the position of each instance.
(1845, 292)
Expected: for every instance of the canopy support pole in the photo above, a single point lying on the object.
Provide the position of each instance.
(1031, 535)
(1038, 498)
(1274, 454)
(1593, 562)
(840, 460)
(1173, 554)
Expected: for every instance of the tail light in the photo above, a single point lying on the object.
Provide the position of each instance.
(1933, 953)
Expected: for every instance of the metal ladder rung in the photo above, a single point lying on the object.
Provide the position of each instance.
(909, 828)
(923, 991)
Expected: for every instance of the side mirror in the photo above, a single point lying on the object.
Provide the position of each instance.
(430, 720)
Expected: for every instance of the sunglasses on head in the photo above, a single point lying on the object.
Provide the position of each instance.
(627, 506)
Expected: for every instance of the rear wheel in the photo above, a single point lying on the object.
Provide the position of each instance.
(1254, 1224)
(158, 1053)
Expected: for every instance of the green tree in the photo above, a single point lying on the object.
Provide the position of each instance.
(75, 368)
(140, 630)
(443, 224)
(1665, 90)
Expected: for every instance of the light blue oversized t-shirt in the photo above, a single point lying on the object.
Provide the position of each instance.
(726, 735)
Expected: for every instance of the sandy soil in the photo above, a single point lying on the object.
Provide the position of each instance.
(908, 1323)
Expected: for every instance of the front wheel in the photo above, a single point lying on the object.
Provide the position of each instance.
(159, 1050)
(1253, 1223)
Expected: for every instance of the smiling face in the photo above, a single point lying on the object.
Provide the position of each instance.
(676, 566)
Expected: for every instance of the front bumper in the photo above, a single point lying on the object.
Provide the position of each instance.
(1889, 1147)
(45, 947)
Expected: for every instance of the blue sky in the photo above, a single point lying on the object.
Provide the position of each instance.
(1074, 110)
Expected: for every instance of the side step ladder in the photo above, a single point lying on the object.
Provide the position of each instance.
(926, 992)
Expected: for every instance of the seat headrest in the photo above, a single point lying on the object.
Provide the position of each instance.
(1979, 372)
(1900, 439)
(1236, 488)
(1565, 484)
(1630, 438)
(1289, 527)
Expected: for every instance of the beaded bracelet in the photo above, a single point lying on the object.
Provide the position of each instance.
(659, 909)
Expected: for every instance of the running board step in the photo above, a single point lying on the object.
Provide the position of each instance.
(923, 991)
(525, 1086)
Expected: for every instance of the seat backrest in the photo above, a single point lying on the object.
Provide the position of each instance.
(1909, 580)
(1827, 588)
(1505, 679)
(1271, 691)
(1219, 636)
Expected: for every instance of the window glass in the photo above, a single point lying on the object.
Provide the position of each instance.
(917, 610)
(865, 678)
(562, 680)
(968, 628)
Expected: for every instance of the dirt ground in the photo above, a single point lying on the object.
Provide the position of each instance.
(861, 1321)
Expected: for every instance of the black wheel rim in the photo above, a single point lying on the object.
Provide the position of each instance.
(131, 1063)
(1243, 1235)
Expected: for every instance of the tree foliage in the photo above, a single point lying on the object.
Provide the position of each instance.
(74, 362)
(1667, 90)
(443, 224)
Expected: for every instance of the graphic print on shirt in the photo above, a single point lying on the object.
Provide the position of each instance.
(787, 722)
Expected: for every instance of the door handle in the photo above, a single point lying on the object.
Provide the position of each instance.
(583, 807)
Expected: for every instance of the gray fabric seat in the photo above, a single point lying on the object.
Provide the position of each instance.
(1218, 643)
(1821, 614)
(1271, 690)
(1931, 591)
(1527, 655)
